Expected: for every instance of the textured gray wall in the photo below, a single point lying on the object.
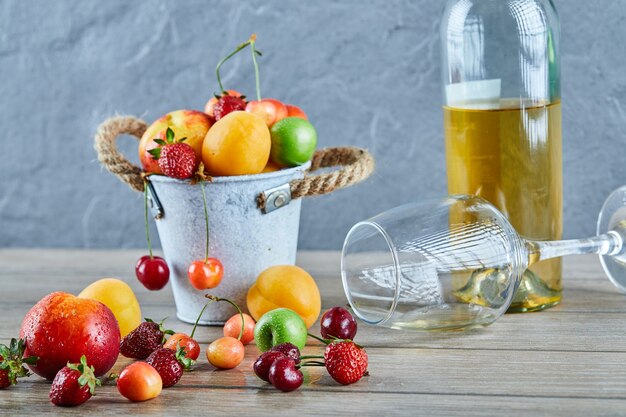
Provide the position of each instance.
(366, 72)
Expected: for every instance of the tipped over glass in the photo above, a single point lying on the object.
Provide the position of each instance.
(456, 263)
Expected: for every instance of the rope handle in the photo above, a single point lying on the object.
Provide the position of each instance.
(357, 164)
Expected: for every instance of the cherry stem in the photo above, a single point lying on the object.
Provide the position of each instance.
(226, 58)
(257, 79)
(250, 42)
(311, 363)
(214, 298)
(206, 222)
(193, 331)
(145, 209)
(318, 338)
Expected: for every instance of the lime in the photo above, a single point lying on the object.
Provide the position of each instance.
(293, 141)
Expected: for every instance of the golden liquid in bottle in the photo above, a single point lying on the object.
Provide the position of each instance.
(511, 156)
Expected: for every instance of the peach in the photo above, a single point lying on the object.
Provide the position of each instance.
(192, 124)
(61, 328)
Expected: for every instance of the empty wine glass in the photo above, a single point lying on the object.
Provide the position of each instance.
(456, 263)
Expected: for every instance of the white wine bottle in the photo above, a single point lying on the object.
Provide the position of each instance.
(502, 122)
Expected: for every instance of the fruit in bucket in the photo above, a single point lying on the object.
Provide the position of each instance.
(228, 104)
(293, 141)
(175, 157)
(61, 328)
(209, 108)
(285, 286)
(271, 167)
(278, 326)
(190, 124)
(119, 297)
(269, 109)
(237, 144)
(295, 111)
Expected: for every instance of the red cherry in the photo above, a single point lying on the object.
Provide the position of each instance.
(152, 272)
(264, 362)
(338, 323)
(284, 375)
(288, 349)
(205, 274)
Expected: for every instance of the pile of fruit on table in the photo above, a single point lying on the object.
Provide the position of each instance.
(74, 341)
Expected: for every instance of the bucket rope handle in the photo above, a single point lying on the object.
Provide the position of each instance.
(357, 164)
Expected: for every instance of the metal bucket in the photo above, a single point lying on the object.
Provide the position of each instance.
(246, 240)
(253, 219)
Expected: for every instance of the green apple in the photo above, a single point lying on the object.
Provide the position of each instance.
(293, 141)
(278, 326)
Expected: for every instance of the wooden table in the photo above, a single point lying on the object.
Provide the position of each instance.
(570, 360)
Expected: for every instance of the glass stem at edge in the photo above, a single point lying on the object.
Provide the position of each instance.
(610, 243)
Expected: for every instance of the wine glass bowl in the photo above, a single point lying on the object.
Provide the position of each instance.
(456, 263)
(446, 264)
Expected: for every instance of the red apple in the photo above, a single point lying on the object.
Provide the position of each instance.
(61, 328)
(268, 109)
(192, 124)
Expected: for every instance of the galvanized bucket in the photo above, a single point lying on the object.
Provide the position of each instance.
(253, 219)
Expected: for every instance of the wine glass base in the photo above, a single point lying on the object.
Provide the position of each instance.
(612, 214)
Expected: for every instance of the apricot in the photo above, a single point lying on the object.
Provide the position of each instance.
(120, 298)
(285, 286)
(237, 144)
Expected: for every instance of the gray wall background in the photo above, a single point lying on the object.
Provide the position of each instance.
(366, 72)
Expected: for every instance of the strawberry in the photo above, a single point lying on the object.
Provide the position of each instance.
(11, 362)
(145, 339)
(169, 364)
(176, 158)
(74, 384)
(345, 361)
(228, 104)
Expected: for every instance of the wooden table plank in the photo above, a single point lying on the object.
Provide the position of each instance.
(563, 361)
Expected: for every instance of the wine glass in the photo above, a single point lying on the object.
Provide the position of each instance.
(456, 263)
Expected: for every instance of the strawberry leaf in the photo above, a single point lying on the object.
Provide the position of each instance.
(160, 142)
(155, 153)
(169, 134)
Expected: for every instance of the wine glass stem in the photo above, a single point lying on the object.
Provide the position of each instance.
(610, 243)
